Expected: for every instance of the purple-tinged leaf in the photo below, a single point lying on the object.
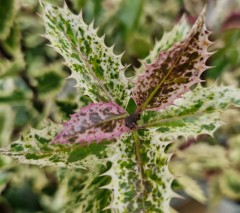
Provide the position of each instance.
(94, 123)
(174, 71)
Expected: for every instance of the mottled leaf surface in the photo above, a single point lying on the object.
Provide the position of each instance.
(131, 174)
(175, 70)
(177, 34)
(125, 176)
(84, 192)
(198, 112)
(94, 122)
(94, 65)
(157, 178)
(35, 148)
(140, 180)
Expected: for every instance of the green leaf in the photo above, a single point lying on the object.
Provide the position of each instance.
(12, 91)
(7, 13)
(94, 66)
(129, 14)
(12, 48)
(229, 183)
(49, 80)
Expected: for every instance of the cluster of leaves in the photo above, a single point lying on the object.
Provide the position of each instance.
(126, 171)
(32, 85)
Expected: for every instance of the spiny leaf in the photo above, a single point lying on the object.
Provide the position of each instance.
(140, 180)
(35, 148)
(84, 193)
(94, 66)
(198, 112)
(157, 177)
(177, 34)
(175, 70)
(94, 122)
(126, 181)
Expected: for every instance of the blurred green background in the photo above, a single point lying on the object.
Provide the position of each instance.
(33, 88)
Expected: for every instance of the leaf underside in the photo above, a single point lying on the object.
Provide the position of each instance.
(94, 66)
(94, 123)
(174, 71)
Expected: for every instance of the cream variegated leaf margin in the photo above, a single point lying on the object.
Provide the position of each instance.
(82, 186)
(125, 176)
(197, 112)
(175, 71)
(140, 182)
(192, 188)
(140, 179)
(35, 148)
(94, 66)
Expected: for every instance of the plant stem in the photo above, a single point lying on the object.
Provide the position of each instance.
(140, 166)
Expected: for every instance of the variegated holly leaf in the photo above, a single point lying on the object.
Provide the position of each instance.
(36, 148)
(94, 122)
(177, 34)
(175, 70)
(140, 179)
(94, 65)
(84, 192)
(198, 112)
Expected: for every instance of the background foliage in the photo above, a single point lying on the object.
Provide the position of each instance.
(33, 88)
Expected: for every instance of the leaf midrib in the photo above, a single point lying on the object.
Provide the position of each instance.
(165, 120)
(144, 105)
(90, 68)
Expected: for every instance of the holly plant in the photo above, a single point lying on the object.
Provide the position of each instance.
(117, 143)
